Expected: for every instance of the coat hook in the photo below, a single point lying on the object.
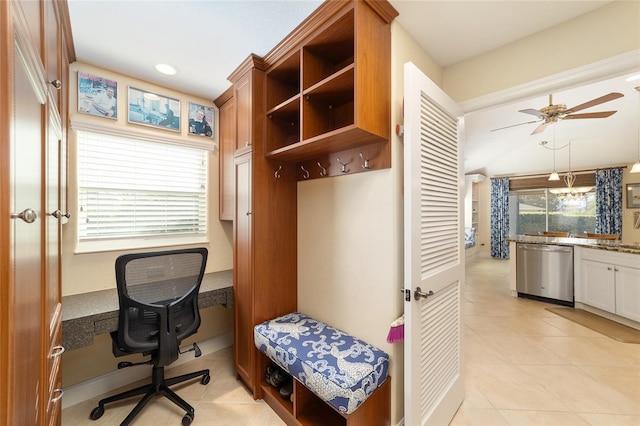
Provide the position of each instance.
(305, 172)
(323, 173)
(365, 164)
(277, 174)
(343, 169)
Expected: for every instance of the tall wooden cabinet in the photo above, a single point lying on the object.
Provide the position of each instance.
(264, 224)
(317, 105)
(35, 52)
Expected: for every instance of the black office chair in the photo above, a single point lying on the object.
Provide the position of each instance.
(158, 295)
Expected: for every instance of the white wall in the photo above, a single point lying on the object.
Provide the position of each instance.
(95, 271)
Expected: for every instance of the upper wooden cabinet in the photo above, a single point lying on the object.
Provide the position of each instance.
(330, 91)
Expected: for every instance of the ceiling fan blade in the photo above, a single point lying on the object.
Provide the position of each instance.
(541, 128)
(514, 125)
(597, 101)
(602, 114)
(535, 112)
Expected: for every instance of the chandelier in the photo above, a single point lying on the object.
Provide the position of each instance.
(570, 192)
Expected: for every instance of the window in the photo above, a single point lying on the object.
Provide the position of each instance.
(134, 192)
(534, 211)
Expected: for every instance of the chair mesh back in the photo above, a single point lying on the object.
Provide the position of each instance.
(167, 285)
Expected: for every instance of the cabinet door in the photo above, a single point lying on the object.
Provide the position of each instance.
(243, 271)
(242, 95)
(628, 292)
(22, 290)
(227, 148)
(598, 285)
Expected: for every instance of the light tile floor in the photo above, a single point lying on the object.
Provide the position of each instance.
(523, 366)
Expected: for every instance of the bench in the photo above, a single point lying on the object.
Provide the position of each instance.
(341, 370)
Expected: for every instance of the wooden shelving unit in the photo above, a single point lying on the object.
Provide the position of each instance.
(330, 92)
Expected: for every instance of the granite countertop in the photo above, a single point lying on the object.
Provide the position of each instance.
(87, 314)
(610, 245)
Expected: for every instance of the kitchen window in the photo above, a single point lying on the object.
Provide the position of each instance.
(139, 193)
(538, 210)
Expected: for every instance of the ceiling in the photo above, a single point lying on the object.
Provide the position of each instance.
(130, 37)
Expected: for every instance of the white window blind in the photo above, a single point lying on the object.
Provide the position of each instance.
(132, 188)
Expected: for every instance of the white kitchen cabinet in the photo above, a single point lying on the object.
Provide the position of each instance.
(598, 285)
(628, 292)
(609, 281)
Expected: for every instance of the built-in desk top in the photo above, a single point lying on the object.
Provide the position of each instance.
(87, 314)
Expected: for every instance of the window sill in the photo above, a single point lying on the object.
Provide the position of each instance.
(86, 247)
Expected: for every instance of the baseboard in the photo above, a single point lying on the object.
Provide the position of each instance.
(91, 388)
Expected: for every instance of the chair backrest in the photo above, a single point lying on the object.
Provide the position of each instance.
(158, 295)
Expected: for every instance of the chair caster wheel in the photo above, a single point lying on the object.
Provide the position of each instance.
(205, 379)
(187, 419)
(97, 412)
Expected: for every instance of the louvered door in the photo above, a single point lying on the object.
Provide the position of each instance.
(434, 258)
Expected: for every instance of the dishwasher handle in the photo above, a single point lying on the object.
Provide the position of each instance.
(544, 247)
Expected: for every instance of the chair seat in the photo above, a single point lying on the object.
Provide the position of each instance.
(341, 369)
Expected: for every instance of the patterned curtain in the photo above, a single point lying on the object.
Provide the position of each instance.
(609, 201)
(500, 218)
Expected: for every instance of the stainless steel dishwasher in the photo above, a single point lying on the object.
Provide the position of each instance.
(545, 272)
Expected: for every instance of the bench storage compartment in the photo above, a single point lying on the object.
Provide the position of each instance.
(341, 370)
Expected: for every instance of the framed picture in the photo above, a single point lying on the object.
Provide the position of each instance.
(154, 110)
(633, 195)
(200, 120)
(97, 95)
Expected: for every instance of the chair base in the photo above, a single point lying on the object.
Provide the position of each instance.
(158, 386)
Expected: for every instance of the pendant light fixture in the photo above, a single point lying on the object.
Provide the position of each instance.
(554, 175)
(636, 166)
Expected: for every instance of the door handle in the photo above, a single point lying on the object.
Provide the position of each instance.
(419, 293)
(58, 214)
(28, 215)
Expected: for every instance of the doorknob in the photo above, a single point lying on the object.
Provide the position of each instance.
(419, 293)
(28, 215)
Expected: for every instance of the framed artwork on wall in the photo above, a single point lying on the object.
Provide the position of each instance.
(633, 195)
(97, 96)
(151, 109)
(200, 120)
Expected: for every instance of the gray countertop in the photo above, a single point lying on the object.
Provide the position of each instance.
(610, 245)
(87, 314)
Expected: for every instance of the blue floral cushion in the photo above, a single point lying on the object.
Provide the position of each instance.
(339, 368)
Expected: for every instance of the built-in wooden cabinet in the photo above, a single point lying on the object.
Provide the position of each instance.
(328, 96)
(265, 246)
(36, 51)
(227, 144)
(317, 105)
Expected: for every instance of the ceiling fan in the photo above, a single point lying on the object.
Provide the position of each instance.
(552, 113)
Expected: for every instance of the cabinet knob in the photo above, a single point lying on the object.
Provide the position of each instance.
(608, 268)
(56, 83)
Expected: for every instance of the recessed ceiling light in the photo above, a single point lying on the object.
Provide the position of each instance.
(633, 77)
(167, 69)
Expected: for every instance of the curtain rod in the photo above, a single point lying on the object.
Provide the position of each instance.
(575, 172)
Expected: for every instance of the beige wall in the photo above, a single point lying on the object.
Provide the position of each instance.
(606, 32)
(95, 271)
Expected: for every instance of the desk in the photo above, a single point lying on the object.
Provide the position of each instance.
(87, 314)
